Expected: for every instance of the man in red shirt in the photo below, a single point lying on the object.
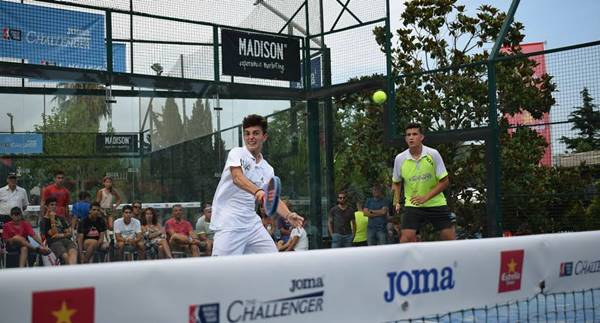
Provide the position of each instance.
(60, 193)
(180, 232)
(16, 232)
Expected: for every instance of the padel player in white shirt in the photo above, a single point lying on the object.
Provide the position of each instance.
(238, 229)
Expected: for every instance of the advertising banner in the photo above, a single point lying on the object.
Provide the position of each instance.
(367, 284)
(260, 55)
(107, 143)
(58, 37)
(21, 144)
(315, 74)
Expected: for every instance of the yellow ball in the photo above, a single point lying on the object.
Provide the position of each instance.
(379, 97)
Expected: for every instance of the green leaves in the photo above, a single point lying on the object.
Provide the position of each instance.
(586, 120)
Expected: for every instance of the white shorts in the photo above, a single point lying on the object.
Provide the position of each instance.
(255, 240)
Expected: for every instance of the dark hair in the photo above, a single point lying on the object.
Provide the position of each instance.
(176, 205)
(137, 202)
(16, 209)
(50, 200)
(127, 207)
(104, 179)
(154, 216)
(84, 195)
(59, 172)
(255, 120)
(377, 186)
(95, 204)
(414, 125)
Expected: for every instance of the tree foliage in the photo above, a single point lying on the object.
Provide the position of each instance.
(70, 130)
(586, 120)
(444, 35)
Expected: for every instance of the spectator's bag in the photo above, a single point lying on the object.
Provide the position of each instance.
(50, 260)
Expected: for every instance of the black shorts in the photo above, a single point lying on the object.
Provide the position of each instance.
(62, 246)
(439, 216)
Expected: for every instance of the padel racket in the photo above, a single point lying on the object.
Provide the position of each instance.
(272, 192)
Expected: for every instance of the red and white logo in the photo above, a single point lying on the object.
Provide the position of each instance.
(65, 305)
(511, 270)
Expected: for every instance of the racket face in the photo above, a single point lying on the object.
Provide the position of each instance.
(273, 190)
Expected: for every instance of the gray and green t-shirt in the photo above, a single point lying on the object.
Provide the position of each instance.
(419, 177)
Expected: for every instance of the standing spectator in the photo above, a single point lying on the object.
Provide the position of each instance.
(137, 210)
(109, 199)
(376, 209)
(58, 233)
(180, 232)
(422, 173)
(81, 208)
(154, 235)
(341, 224)
(128, 232)
(60, 193)
(360, 235)
(91, 230)
(11, 196)
(205, 234)
(16, 233)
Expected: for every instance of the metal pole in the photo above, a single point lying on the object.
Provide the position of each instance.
(44, 113)
(390, 130)
(12, 128)
(314, 149)
(109, 67)
(183, 99)
(493, 196)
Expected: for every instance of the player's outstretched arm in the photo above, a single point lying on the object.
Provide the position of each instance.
(292, 217)
(241, 181)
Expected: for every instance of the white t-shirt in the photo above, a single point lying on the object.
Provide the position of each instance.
(10, 199)
(302, 244)
(127, 231)
(234, 208)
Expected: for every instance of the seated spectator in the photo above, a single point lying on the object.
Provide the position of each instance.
(284, 226)
(91, 231)
(137, 210)
(393, 230)
(81, 208)
(298, 241)
(269, 224)
(128, 232)
(205, 234)
(154, 235)
(180, 233)
(16, 233)
(58, 233)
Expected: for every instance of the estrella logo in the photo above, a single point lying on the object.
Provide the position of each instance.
(511, 270)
